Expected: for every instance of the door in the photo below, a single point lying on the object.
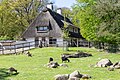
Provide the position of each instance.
(44, 41)
(36, 41)
(52, 41)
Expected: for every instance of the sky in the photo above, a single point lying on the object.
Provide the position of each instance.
(63, 3)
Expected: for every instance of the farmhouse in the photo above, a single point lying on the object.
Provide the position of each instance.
(48, 27)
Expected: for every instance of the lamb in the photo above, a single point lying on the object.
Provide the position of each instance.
(11, 69)
(29, 54)
(65, 58)
(53, 64)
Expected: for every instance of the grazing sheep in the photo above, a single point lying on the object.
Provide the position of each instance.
(115, 64)
(103, 63)
(29, 54)
(53, 64)
(65, 59)
(75, 74)
(50, 59)
(11, 69)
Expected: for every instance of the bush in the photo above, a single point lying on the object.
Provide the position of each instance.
(5, 38)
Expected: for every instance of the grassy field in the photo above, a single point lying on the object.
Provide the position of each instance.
(32, 68)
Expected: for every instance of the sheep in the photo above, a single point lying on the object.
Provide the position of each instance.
(65, 58)
(11, 69)
(53, 64)
(29, 54)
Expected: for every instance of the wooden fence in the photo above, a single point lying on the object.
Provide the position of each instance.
(17, 47)
(21, 46)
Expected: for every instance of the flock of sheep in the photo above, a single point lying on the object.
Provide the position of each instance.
(76, 74)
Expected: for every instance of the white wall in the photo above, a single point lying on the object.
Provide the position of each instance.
(47, 39)
(60, 41)
(40, 38)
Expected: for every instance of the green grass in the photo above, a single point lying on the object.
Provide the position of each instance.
(32, 68)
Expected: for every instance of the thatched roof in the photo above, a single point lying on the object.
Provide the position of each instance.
(49, 18)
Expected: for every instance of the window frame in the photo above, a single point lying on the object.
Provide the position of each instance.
(42, 28)
(76, 30)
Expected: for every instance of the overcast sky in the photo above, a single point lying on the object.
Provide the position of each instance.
(63, 3)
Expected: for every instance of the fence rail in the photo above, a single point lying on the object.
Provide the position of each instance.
(22, 46)
(16, 48)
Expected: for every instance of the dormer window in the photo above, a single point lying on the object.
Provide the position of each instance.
(42, 28)
(75, 30)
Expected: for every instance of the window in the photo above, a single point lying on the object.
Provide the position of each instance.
(45, 28)
(42, 28)
(75, 30)
(52, 41)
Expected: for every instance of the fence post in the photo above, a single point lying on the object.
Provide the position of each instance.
(77, 43)
(10, 47)
(29, 45)
(23, 47)
(89, 44)
(2, 50)
(65, 45)
(15, 48)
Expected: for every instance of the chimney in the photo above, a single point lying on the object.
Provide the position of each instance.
(59, 11)
(50, 6)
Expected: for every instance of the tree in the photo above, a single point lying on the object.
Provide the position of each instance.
(99, 20)
(108, 13)
(16, 15)
(86, 19)
(65, 33)
(67, 13)
(6, 19)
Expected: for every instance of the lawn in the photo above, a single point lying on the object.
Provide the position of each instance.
(32, 68)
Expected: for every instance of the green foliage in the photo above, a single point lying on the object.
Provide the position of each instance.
(16, 15)
(108, 12)
(32, 68)
(65, 27)
(4, 38)
(7, 19)
(66, 12)
(99, 20)
(65, 33)
(87, 20)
